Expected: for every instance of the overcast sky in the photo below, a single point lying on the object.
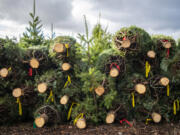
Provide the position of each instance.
(155, 16)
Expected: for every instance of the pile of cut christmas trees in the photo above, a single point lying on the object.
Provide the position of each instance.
(131, 81)
(103, 79)
(19, 67)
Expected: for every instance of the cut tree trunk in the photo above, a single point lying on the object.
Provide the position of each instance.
(140, 88)
(4, 72)
(166, 45)
(164, 81)
(126, 43)
(34, 63)
(81, 123)
(59, 48)
(99, 90)
(66, 66)
(17, 92)
(64, 100)
(151, 54)
(41, 120)
(114, 72)
(42, 87)
(110, 117)
(156, 117)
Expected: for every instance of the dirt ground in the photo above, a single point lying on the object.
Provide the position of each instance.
(115, 129)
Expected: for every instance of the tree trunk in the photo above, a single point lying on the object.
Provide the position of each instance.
(126, 43)
(64, 100)
(59, 48)
(17, 92)
(156, 117)
(114, 72)
(140, 88)
(99, 90)
(4, 72)
(110, 117)
(81, 123)
(41, 120)
(34, 63)
(66, 66)
(151, 54)
(164, 81)
(166, 45)
(42, 87)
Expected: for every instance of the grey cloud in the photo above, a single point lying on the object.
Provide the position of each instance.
(158, 15)
(155, 14)
(58, 12)
(15, 10)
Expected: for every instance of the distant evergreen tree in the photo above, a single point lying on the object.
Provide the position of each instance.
(179, 43)
(33, 34)
(99, 40)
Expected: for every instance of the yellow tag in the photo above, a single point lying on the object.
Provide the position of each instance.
(91, 88)
(148, 68)
(133, 101)
(168, 90)
(9, 69)
(147, 120)
(67, 46)
(80, 116)
(50, 97)
(175, 109)
(67, 82)
(70, 110)
(20, 106)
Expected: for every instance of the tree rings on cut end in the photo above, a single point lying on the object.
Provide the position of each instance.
(42, 87)
(41, 120)
(156, 117)
(126, 43)
(140, 88)
(64, 100)
(59, 48)
(17, 92)
(151, 54)
(66, 66)
(110, 118)
(164, 81)
(34, 63)
(99, 90)
(114, 72)
(4, 72)
(81, 123)
(167, 45)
